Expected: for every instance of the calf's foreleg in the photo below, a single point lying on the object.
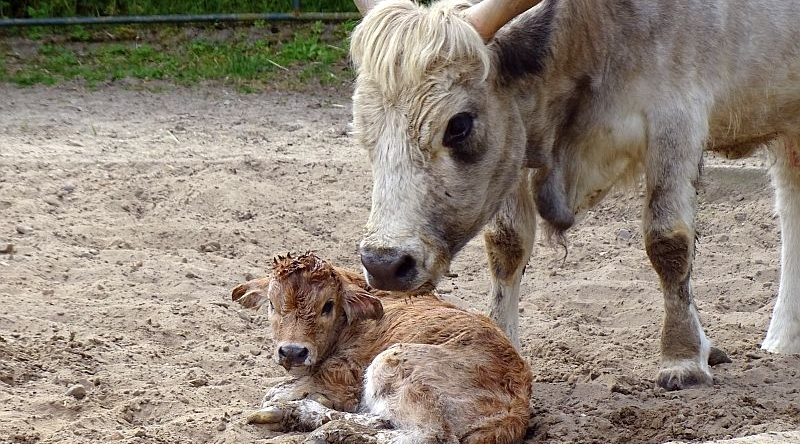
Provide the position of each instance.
(305, 415)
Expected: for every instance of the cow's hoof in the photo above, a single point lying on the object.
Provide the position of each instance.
(684, 375)
(785, 346)
(342, 432)
(717, 356)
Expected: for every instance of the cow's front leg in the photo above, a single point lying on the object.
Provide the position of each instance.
(672, 168)
(509, 241)
(783, 335)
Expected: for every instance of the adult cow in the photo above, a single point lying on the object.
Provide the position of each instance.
(473, 122)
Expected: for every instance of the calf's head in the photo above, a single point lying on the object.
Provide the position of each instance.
(310, 303)
(446, 143)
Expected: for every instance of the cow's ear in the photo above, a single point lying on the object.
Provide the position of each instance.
(360, 305)
(523, 51)
(252, 294)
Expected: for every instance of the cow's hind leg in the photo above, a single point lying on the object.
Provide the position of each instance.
(783, 335)
(509, 241)
(672, 168)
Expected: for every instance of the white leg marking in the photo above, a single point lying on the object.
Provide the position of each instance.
(783, 335)
(504, 307)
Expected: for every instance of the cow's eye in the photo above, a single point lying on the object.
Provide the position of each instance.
(271, 307)
(327, 308)
(458, 129)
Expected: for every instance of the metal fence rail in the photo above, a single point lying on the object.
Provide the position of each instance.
(296, 15)
(132, 19)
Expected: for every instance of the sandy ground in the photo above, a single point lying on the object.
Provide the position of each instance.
(133, 213)
(762, 438)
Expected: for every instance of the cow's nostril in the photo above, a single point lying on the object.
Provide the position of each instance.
(302, 354)
(389, 269)
(406, 267)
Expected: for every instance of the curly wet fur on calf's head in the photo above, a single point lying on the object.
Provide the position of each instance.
(300, 275)
(303, 282)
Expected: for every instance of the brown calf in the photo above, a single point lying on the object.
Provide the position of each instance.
(433, 372)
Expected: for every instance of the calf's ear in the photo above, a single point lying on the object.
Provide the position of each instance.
(360, 305)
(251, 294)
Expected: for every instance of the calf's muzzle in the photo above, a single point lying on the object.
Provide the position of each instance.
(292, 355)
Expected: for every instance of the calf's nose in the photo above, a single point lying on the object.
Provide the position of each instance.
(291, 355)
(389, 269)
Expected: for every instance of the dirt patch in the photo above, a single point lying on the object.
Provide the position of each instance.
(132, 214)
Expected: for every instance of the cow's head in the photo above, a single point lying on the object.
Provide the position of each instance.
(310, 303)
(446, 143)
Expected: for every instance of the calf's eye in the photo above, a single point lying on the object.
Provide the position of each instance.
(327, 308)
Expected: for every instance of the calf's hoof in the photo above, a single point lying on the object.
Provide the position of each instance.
(682, 375)
(271, 417)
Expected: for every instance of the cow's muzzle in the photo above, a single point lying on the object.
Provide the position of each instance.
(390, 269)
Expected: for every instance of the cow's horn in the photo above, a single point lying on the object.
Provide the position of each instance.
(365, 5)
(489, 16)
